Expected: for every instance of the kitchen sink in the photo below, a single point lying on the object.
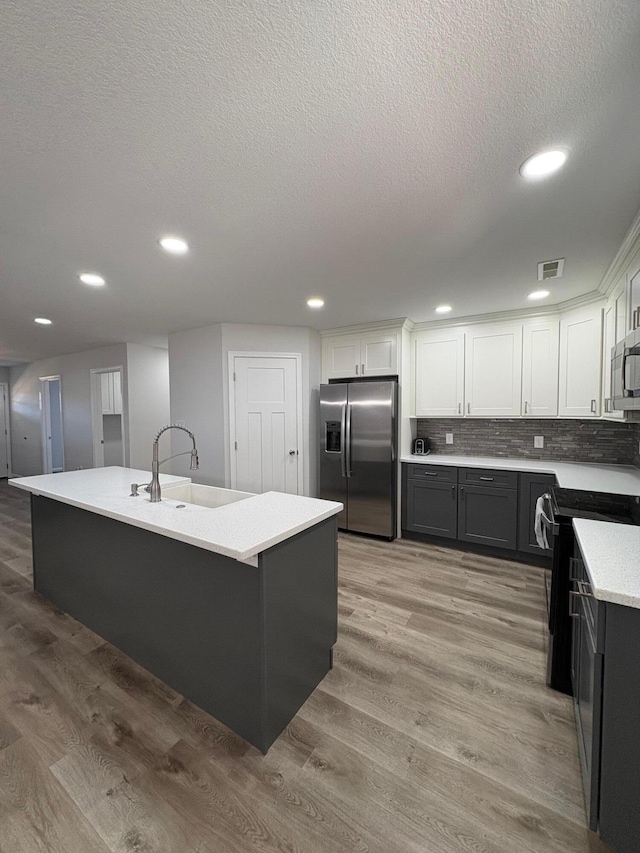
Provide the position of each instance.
(205, 496)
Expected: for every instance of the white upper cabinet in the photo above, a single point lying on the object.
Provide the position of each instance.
(379, 354)
(540, 369)
(613, 331)
(370, 354)
(341, 357)
(580, 363)
(111, 388)
(493, 371)
(634, 299)
(439, 373)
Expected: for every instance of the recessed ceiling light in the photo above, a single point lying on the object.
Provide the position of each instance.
(91, 278)
(174, 245)
(538, 294)
(443, 309)
(315, 302)
(42, 321)
(543, 164)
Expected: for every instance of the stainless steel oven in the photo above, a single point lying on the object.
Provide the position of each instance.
(561, 506)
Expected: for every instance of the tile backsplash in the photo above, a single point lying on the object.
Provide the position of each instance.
(569, 440)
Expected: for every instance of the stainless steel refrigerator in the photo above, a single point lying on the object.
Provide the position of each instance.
(358, 443)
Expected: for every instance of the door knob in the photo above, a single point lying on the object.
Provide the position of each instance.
(292, 452)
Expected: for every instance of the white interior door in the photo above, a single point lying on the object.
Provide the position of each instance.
(4, 432)
(265, 431)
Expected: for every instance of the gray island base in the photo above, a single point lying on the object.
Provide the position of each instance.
(248, 644)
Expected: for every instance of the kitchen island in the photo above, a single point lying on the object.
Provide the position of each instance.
(231, 599)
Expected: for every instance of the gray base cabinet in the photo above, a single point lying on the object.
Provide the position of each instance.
(488, 516)
(430, 501)
(490, 508)
(587, 646)
(606, 686)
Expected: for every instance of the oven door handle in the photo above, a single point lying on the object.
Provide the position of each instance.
(548, 520)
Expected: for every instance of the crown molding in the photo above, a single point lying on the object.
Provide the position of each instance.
(404, 323)
(518, 314)
(630, 245)
(398, 324)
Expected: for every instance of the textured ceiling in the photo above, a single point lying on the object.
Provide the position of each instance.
(366, 151)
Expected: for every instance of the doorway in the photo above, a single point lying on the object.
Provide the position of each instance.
(5, 439)
(52, 434)
(265, 414)
(107, 417)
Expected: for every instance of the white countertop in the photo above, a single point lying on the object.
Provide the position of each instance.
(615, 479)
(612, 557)
(239, 530)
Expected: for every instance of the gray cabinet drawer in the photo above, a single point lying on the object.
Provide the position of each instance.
(436, 473)
(488, 477)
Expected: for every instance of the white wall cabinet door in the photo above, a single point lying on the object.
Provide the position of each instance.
(379, 354)
(540, 348)
(439, 374)
(493, 371)
(621, 301)
(106, 385)
(347, 356)
(580, 363)
(341, 357)
(111, 387)
(609, 338)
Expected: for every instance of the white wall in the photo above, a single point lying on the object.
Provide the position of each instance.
(26, 435)
(196, 378)
(4, 375)
(198, 369)
(148, 401)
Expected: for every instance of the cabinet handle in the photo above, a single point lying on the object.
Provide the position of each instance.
(459, 408)
(526, 408)
(356, 369)
(487, 479)
(571, 613)
(453, 492)
(468, 408)
(593, 406)
(461, 493)
(363, 368)
(429, 474)
(574, 593)
(573, 562)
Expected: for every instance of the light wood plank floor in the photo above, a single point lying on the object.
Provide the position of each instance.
(434, 733)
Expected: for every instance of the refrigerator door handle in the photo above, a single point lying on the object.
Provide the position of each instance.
(343, 431)
(347, 441)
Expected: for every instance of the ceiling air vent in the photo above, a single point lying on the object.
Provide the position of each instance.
(550, 269)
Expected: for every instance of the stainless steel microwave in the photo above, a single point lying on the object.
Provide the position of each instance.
(625, 373)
